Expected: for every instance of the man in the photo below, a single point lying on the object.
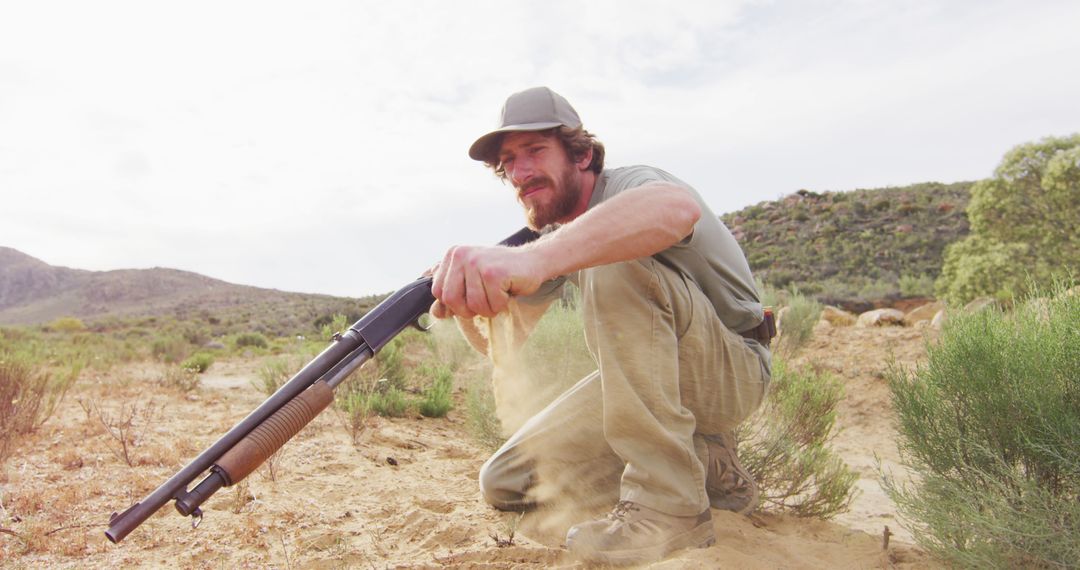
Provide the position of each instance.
(671, 317)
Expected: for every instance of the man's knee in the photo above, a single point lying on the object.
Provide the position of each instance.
(503, 486)
(632, 274)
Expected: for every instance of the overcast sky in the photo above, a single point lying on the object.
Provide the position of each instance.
(321, 146)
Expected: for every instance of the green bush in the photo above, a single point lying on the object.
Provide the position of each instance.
(555, 354)
(390, 362)
(67, 324)
(198, 362)
(354, 405)
(278, 371)
(921, 286)
(990, 426)
(436, 401)
(170, 349)
(180, 378)
(390, 402)
(254, 340)
(785, 445)
(797, 325)
(338, 323)
(483, 423)
(1022, 224)
(28, 396)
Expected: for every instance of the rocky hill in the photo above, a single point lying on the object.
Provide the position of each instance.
(32, 291)
(854, 248)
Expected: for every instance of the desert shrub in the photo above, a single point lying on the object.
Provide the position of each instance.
(785, 445)
(28, 396)
(882, 288)
(254, 340)
(390, 402)
(198, 362)
(180, 378)
(170, 349)
(278, 371)
(990, 425)
(126, 426)
(390, 363)
(355, 410)
(480, 417)
(195, 335)
(338, 323)
(449, 346)
(797, 325)
(767, 294)
(555, 354)
(436, 401)
(67, 324)
(921, 286)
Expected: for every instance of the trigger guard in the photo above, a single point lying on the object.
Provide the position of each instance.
(416, 325)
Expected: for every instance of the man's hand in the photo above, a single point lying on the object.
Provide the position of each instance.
(473, 281)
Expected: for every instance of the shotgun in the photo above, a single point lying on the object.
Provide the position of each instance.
(281, 416)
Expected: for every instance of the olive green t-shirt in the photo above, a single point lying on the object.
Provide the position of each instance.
(710, 257)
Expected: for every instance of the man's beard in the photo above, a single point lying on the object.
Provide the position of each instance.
(565, 197)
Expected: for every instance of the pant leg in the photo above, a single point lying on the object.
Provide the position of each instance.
(558, 456)
(669, 368)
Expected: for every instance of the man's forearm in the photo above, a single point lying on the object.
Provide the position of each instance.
(638, 222)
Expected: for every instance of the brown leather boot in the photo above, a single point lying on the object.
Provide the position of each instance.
(729, 485)
(636, 534)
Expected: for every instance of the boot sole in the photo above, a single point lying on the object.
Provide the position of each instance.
(702, 536)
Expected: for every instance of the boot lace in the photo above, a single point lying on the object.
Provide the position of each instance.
(622, 509)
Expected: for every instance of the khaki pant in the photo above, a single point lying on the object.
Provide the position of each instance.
(668, 369)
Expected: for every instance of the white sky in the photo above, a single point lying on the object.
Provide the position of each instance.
(321, 146)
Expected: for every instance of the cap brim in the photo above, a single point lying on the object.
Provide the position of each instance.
(485, 147)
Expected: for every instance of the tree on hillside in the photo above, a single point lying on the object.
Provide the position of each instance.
(1023, 224)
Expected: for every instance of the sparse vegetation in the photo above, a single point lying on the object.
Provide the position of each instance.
(851, 248)
(799, 315)
(170, 349)
(387, 400)
(199, 362)
(276, 372)
(338, 323)
(355, 410)
(254, 340)
(990, 424)
(483, 424)
(180, 378)
(436, 401)
(126, 426)
(785, 445)
(67, 324)
(29, 394)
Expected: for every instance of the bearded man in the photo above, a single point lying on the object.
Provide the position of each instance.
(672, 318)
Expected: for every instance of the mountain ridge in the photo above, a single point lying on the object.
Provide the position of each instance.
(35, 292)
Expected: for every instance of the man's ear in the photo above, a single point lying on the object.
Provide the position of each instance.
(583, 162)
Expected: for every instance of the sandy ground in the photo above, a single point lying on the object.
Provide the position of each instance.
(404, 496)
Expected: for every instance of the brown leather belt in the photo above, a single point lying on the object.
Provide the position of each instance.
(764, 332)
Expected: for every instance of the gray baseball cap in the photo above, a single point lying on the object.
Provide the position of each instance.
(533, 109)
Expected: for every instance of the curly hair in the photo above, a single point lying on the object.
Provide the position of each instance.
(576, 141)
